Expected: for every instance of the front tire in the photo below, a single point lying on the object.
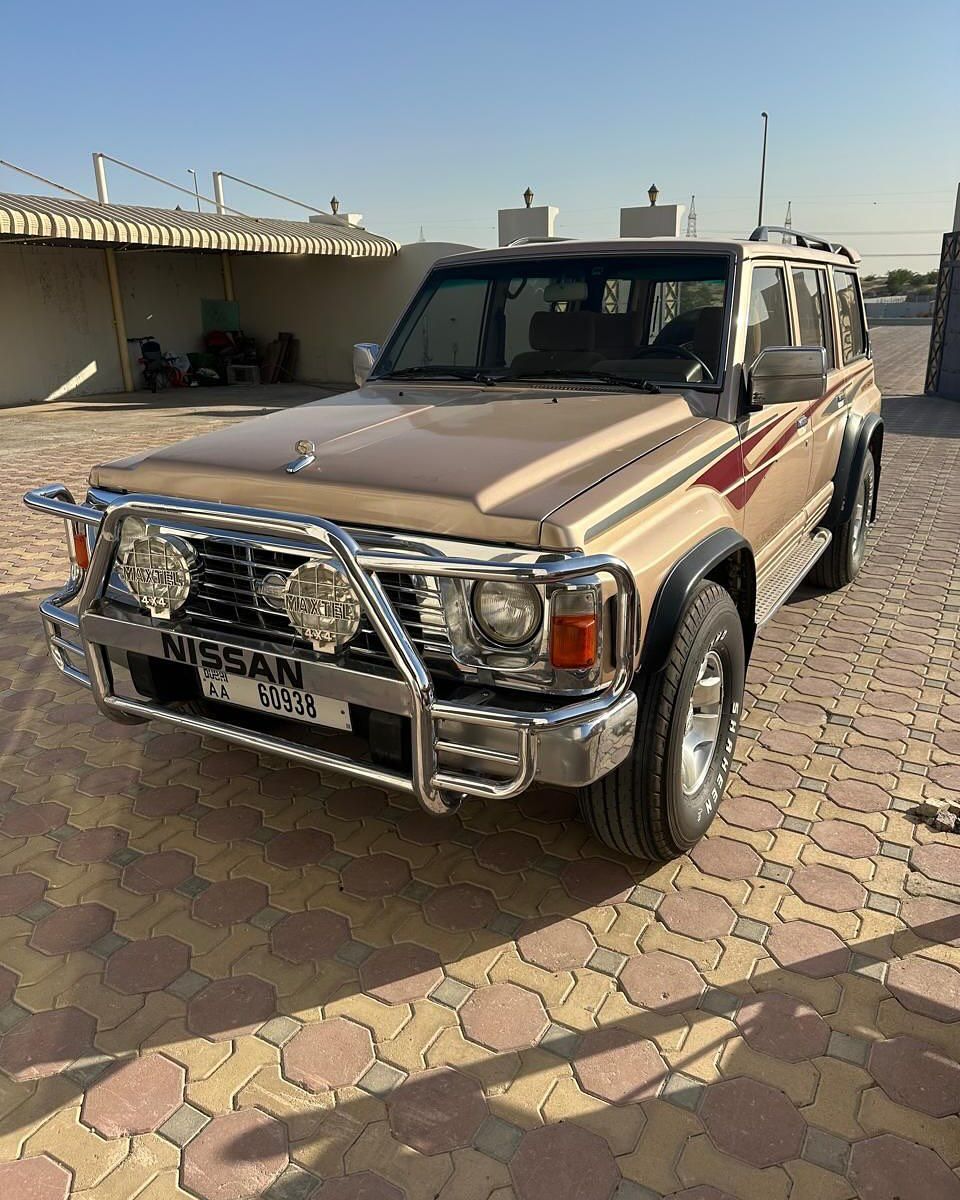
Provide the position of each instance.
(660, 801)
(841, 562)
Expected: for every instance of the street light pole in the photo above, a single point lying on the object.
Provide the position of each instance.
(196, 186)
(763, 168)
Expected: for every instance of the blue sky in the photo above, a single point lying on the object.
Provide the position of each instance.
(440, 113)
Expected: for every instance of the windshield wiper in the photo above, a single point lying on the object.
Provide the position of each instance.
(641, 385)
(426, 372)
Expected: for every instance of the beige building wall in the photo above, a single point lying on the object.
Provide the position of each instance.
(330, 303)
(162, 293)
(56, 320)
(56, 325)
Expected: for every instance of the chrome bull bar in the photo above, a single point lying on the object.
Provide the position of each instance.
(437, 789)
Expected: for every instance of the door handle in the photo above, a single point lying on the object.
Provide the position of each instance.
(803, 422)
(841, 400)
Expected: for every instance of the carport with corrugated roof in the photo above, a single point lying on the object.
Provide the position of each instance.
(85, 271)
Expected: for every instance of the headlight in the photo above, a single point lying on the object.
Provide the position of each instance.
(509, 614)
(158, 571)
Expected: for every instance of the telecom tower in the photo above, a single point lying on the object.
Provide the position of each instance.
(787, 220)
(692, 218)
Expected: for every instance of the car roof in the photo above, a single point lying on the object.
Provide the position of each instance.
(563, 247)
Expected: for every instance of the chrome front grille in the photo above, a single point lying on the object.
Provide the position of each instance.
(227, 596)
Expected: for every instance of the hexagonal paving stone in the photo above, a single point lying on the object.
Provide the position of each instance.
(135, 1097)
(846, 838)
(597, 881)
(237, 1154)
(164, 801)
(929, 988)
(828, 888)
(752, 1121)
(933, 919)
(73, 928)
(437, 1111)
(401, 973)
(508, 852)
(375, 875)
(937, 861)
(749, 813)
(365, 1185)
(556, 944)
(858, 795)
(563, 1162)
(92, 845)
(773, 776)
(46, 1043)
(917, 1075)
(892, 1168)
(309, 936)
(697, 914)
(36, 1178)
(231, 824)
(32, 820)
(460, 907)
(147, 965)
(229, 1008)
(726, 858)
(296, 848)
(503, 1016)
(618, 1066)
(811, 950)
(328, 1054)
(158, 872)
(783, 1027)
(663, 982)
(355, 803)
(20, 891)
(229, 901)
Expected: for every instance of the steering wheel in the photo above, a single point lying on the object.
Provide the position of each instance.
(676, 352)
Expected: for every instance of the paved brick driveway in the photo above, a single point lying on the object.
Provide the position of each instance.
(225, 977)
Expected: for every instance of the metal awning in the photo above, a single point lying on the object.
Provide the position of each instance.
(82, 222)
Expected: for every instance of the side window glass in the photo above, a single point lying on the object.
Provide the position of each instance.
(810, 291)
(853, 340)
(767, 320)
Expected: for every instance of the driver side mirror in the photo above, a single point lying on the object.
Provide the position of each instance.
(788, 375)
(364, 356)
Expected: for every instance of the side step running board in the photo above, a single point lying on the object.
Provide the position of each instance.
(789, 573)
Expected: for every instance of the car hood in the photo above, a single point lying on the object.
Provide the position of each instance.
(481, 463)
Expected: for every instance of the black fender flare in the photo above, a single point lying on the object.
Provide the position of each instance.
(856, 446)
(676, 591)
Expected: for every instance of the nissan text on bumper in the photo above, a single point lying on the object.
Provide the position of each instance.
(341, 629)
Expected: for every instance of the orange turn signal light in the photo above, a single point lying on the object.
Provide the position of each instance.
(81, 551)
(573, 640)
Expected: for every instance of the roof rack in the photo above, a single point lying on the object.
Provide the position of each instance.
(806, 240)
(531, 241)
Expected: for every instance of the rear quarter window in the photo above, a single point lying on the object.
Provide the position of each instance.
(853, 336)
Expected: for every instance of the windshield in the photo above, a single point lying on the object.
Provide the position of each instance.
(653, 318)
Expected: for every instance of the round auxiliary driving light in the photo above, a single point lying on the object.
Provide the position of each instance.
(158, 571)
(322, 606)
(509, 614)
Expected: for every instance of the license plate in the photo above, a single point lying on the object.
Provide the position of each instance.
(274, 698)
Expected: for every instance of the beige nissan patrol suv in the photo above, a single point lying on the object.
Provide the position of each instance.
(535, 545)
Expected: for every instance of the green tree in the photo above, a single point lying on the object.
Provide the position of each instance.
(901, 280)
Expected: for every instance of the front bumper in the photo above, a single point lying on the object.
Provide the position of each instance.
(458, 748)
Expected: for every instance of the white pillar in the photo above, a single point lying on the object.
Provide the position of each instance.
(218, 192)
(517, 223)
(100, 175)
(652, 220)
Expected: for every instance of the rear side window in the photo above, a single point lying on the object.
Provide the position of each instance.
(853, 339)
(768, 322)
(809, 287)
